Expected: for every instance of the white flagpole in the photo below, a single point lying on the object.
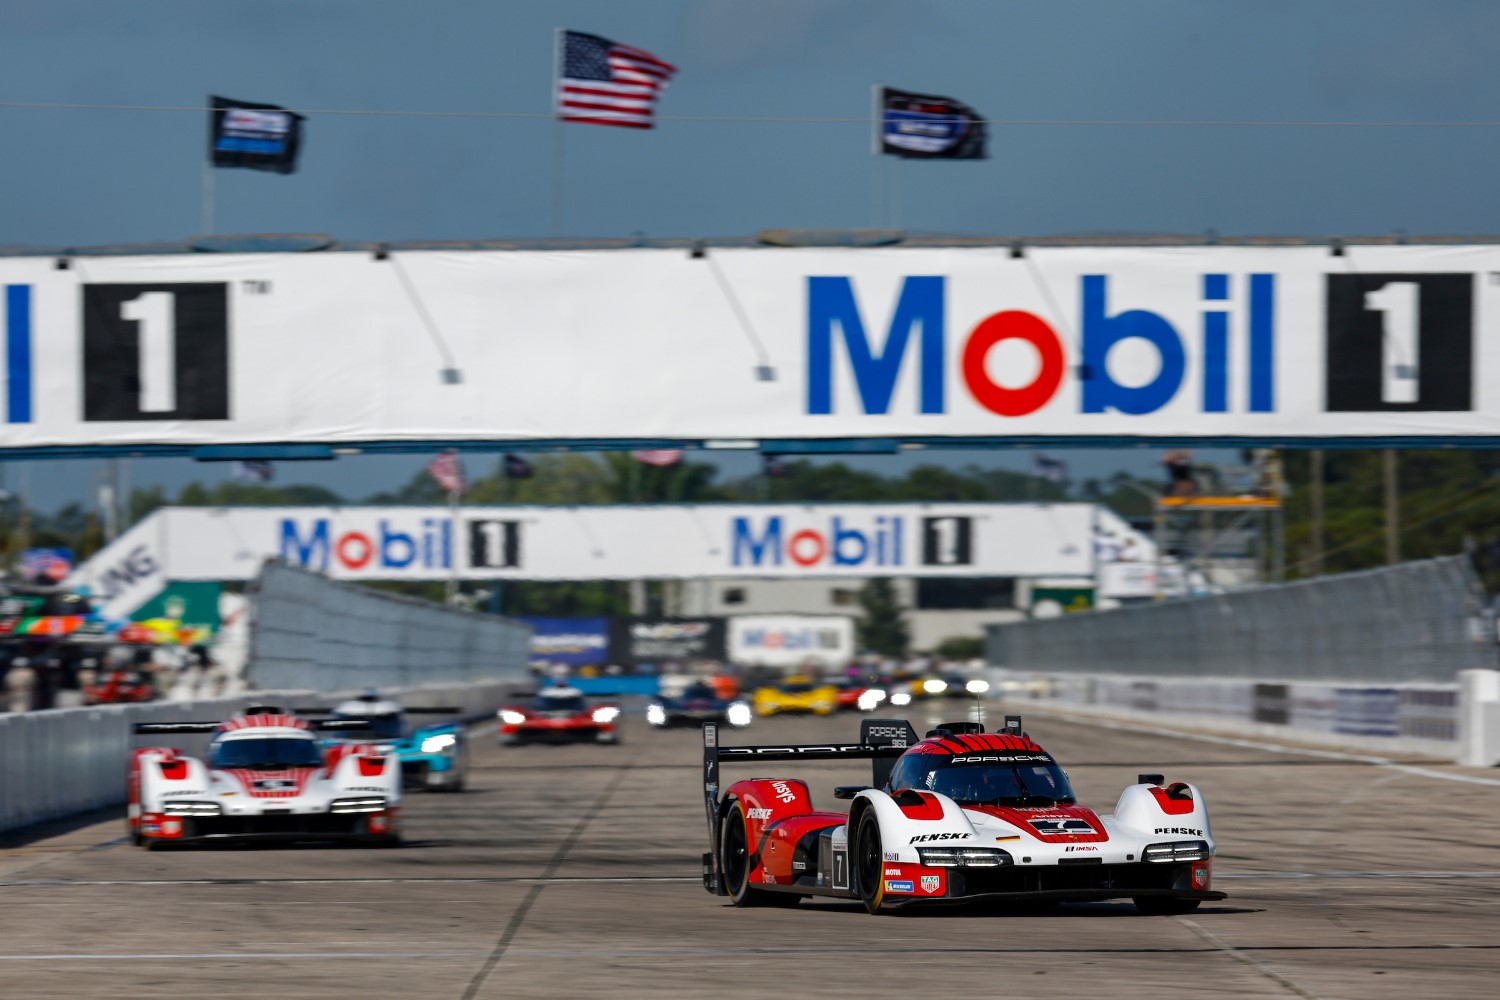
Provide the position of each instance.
(558, 149)
(877, 123)
(208, 181)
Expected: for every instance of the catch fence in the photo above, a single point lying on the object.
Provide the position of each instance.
(312, 632)
(1419, 621)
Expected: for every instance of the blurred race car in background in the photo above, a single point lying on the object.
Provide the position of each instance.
(694, 705)
(959, 816)
(797, 694)
(433, 757)
(559, 715)
(859, 695)
(266, 775)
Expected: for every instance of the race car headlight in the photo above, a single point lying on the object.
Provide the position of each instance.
(869, 698)
(438, 743)
(977, 686)
(900, 698)
(656, 715)
(607, 713)
(738, 714)
(1177, 850)
(191, 809)
(511, 717)
(359, 804)
(963, 857)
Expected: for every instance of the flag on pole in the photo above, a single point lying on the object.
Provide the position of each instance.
(1054, 470)
(255, 136)
(928, 127)
(253, 472)
(603, 83)
(517, 467)
(448, 471)
(658, 456)
(775, 467)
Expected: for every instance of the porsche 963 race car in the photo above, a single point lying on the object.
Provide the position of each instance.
(266, 775)
(959, 816)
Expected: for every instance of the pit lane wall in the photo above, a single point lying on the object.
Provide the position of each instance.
(65, 761)
(312, 632)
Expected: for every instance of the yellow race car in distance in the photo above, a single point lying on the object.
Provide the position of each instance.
(797, 694)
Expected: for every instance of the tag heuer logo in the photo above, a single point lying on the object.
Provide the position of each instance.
(930, 883)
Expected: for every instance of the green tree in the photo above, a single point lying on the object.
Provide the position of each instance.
(881, 623)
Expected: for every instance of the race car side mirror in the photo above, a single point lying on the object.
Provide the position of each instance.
(849, 791)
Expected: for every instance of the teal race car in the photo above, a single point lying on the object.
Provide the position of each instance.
(433, 757)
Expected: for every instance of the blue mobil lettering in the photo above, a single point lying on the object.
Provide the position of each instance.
(840, 545)
(922, 304)
(317, 547)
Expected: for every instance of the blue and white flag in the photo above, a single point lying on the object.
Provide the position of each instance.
(927, 127)
(254, 136)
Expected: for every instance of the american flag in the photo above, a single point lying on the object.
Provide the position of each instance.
(603, 83)
(448, 472)
(658, 456)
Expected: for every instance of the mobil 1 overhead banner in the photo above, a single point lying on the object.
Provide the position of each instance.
(1270, 342)
(620, 543)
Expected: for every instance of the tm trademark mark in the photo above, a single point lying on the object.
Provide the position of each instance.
(254, 286)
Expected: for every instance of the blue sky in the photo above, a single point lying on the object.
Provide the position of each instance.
(81, 177)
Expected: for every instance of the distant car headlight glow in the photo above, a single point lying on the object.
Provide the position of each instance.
(869, 698)
(934, 686)
(977, 686)
(511, 717)
(438, 743)
(900, 698)
(656, 715)
(738, 714)
(606, 713)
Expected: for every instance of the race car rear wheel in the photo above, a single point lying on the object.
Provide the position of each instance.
(868, 861)
(1162, 906)
(735, 864)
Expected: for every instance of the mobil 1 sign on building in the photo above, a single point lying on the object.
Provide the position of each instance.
(623, 543)
(1271, 343)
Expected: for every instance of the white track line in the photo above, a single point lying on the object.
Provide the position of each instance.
(1247, 960)
(1229, 741)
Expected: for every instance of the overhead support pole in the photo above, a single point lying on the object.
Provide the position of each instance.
(1392, 511)
(1315, 474)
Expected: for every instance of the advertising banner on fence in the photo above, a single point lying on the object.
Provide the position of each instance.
(665, 640)
(592, 543)
(578, 642)
(1278, 343)
(791, 640)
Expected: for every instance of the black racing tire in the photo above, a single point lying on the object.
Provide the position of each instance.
(867, 859)
(734, 864)
(1165, 906)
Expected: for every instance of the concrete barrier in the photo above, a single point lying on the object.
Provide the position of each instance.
(65, 761)
(1458, 721)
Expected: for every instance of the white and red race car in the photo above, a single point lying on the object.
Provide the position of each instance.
(959, 816)
(266, 775)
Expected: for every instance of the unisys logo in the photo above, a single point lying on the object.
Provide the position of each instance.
(1249, 299)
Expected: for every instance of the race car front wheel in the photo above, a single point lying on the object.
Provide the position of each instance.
(868, 861)
(735, 864)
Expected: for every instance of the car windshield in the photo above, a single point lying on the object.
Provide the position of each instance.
(990, 781)
(699, 692)
(559, 703)
(801, 687)
(267, 753)
(382, 727)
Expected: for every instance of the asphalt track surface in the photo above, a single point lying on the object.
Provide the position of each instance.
(573, 872)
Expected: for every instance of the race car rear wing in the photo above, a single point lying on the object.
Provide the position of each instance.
(153, 728)
(881, 741)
